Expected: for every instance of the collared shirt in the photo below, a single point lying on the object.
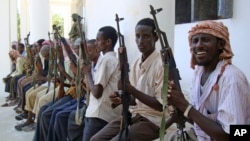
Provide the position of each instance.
(147, 77)
(230, 104)
(106, 73)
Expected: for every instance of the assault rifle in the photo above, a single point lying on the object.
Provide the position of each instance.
(67, 48)
(170, 73)
(51, 63)
(82, 59)
(29, 64)
(124, 68)
(60, 61)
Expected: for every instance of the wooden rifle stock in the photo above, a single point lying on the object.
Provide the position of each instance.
(51, 63)
(29, 63)
(124, 68)
(71, 55)
(82, 59)
(168, 59)
(32, 64)
(83, 45)
(57, 37)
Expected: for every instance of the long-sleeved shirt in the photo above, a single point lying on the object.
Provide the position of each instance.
(20, 61)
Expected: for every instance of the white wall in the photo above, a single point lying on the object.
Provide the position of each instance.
(101, 13)
(8, 28)
(239, 35)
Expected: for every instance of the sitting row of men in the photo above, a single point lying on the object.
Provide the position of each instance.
(59, 112)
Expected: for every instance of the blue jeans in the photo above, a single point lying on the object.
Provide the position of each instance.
(58, 122)
(74, 130)
(45, 114)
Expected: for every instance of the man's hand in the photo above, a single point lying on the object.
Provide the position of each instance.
(86, 68)
(73, 68)
(116, 99)
(61, 68)
(176, 98)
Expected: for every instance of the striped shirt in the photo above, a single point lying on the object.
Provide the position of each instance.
(230, 104)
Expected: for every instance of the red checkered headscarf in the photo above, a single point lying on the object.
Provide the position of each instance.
(217, 29)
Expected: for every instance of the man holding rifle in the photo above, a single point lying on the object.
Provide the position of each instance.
(220, 91)
(145, 87)
(101, 83)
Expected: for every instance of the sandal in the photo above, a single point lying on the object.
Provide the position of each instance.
(12, 103)
(21, 116)
(20, 126)
(5, 104)
(29, 128)
(19, 110)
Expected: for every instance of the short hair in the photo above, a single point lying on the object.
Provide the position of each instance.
(148, 22)
(91, 41)
(21, 45)
(109, 32)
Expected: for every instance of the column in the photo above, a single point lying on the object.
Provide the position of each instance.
(24, 18)
(8, 28)
(39, 19)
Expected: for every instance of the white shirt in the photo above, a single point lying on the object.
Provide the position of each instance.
(106, 73)
(229, 105)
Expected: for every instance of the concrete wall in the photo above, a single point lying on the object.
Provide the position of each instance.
(101, 13)
(239, 35)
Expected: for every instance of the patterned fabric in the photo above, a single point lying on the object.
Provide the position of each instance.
(217, 29)
(229, 105)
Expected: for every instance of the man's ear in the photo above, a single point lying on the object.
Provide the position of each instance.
(221, 44)
(108, 41)
(156, 38)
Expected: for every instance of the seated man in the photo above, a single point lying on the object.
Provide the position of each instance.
(102, 81)
(25, 83)
(32, 92)
(61, 129)
(145, 86)
(220, 91)
(46, 106)
(19, 61)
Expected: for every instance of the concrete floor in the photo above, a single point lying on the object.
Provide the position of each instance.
(7, 123)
